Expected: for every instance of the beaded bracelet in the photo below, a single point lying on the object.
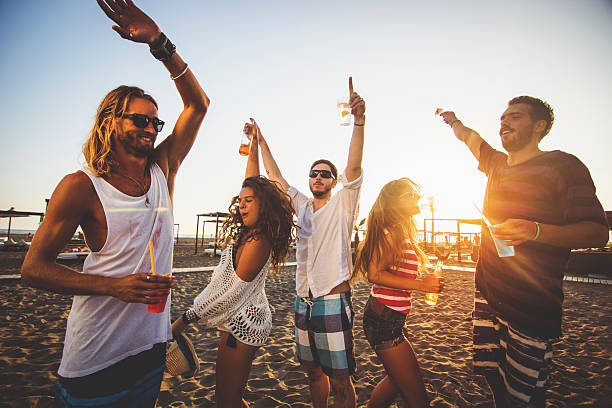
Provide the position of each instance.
(190, 316)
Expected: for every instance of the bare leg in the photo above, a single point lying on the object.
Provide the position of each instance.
(319, 387)
(232, 372)
(344, 392)
(384, 394)
(403, 370)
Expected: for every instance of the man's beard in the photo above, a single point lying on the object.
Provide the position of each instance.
(320, 193)
(518, 143)
(130, 141)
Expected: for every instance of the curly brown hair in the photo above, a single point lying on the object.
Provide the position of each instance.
(275, 220)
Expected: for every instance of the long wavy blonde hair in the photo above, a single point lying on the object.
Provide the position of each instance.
(393, 210)
(98, 149)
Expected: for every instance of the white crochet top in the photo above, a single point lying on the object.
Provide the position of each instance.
(233, 305)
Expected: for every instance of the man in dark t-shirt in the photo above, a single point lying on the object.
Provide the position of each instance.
(544, 204)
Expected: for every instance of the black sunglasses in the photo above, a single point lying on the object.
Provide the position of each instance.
(142, 121)
(324, 174)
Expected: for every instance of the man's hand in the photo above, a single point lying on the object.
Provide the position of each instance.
(432, 283)
(468, 136)
(141, 288)
(356, 103)
(132, 23)
(450, 118)
(514, 231)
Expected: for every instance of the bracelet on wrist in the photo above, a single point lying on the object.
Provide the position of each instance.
(174, 78)
(189, 316)
(162, 49)
(360, 124)
(538, 230)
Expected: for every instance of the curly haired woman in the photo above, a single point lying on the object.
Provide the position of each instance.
(256, 236)
(390, 259)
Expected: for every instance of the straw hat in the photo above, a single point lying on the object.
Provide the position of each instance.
(181, 358)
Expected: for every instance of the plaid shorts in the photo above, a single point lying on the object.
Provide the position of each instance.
(522, 361)
(324, 333)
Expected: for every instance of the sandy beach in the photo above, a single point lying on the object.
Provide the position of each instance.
(32, 331)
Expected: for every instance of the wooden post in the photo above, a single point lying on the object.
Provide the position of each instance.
(196, 240)
(8, 235)
(203, 228)
(458, 241)
(216, 233)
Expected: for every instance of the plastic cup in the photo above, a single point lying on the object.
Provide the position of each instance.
(344, 113)
(158, 307)
(503, 250)
(431, 298)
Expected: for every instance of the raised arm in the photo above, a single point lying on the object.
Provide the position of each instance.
(270, 165)
(134, 25)
(355, 155)
(65, 212)
(468, 136)
(252, 168)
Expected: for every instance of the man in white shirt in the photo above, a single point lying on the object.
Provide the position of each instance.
(323, 314)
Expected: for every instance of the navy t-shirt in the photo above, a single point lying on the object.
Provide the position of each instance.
(553, 188)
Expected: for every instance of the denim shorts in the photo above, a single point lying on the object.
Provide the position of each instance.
(384, 330)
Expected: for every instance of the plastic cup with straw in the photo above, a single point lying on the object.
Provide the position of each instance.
(156, 307)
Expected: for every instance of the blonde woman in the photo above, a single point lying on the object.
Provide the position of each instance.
(390, 259)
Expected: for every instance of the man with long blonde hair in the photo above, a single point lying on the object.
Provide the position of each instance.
(114, 349)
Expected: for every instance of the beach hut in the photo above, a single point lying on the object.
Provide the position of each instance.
(11, 213)
(218, 218)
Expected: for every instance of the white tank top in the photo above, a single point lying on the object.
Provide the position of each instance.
(103, 330)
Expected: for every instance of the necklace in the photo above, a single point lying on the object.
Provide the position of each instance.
(139, 184)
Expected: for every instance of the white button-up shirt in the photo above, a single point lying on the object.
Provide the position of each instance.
(323, 251)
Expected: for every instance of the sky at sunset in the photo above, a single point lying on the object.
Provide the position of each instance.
(286, 64)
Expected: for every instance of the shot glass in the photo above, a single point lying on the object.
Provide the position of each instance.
(344, 113)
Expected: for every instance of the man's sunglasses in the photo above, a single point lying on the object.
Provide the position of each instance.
(142, 121)
(324, 174)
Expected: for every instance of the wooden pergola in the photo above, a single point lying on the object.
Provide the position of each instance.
(216, 217)
(10, 214)
(459, 221)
